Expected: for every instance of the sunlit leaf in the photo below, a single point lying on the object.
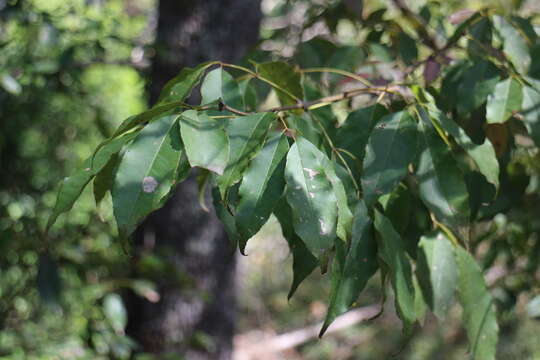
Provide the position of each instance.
(246, 137)
(146, 172)
(514, 45)
(115, 311)
(437, 273)
(219, 84)
(72, 187)
(531, 109)
(313, 192)
(478, 307)
(484, 155)
(505, 100)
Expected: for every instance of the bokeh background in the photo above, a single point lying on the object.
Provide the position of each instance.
(70, 72)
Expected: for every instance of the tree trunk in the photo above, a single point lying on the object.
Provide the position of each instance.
(195, 315)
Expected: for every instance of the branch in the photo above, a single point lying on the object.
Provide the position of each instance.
(305, 105)
(258, 348)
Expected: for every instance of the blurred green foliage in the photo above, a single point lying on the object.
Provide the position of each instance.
(67, 79)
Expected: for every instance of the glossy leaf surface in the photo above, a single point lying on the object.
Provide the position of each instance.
(311, 192)
(246, 137)
(437, 272)
(505, 100)
(262, 186)
(352, 267)
(478, 308)
(205, 141)
(146, 172)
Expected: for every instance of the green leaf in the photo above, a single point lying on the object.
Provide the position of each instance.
(353, 268)
(346, 58)
(303, 260)
(283, 75)
(476, 83)
(72, 187)
(533, 307)
(313, 191)
(314, 53)
(146, 116)
(180, 87)
(304, 126)
(9, 84)
(392, 253)
(437, 272)
(249, 94)
(246, 137)
(226, 218)
(147, 172)
(514, 45)
(407, 49)
(219, 84)
(505, 100)
(103, 180)
(353, 135)
(205, 140)
(262, 186)
(478, 309)
(115, 312)
(390, 149)
(441, 184)
(531, 109)
(483, 155)
(480, 34)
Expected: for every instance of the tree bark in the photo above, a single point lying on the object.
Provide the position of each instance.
(196, 313)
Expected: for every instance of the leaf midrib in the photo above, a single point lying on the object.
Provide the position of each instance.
(228, 180)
